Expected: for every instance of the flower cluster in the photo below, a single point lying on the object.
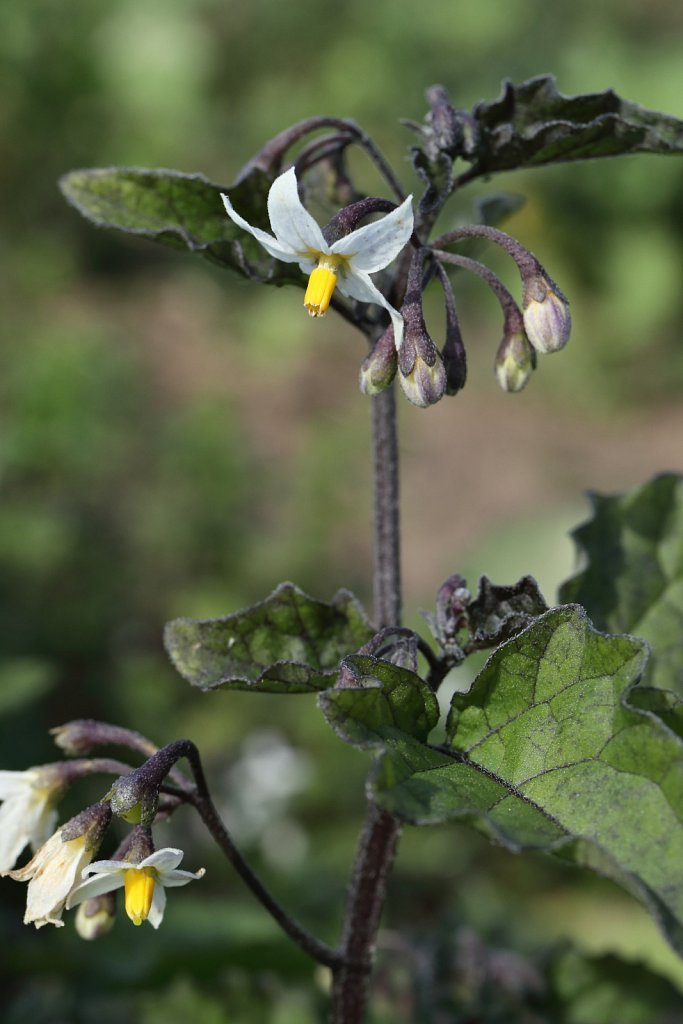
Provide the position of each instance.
(344, 260)
(61, 873)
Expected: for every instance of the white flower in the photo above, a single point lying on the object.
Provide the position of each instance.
(54, 870)
(346, 264)
(27, 814)
(144, 883)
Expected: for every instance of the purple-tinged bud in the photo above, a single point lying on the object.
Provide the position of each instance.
(137, 846)
(421, 369)
(75, 737)
(378, 369)
(547, 320)
(453, 351)
(515, 362)
(422, 372)
(95, 918)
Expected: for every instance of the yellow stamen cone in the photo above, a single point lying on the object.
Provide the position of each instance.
(139, 889)
(320, 288)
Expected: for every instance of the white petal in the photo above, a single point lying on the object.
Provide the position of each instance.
(272, 246)
(14, 834)
(156, 910)
(291, 222)
(170, 879)
(375, 245)
(14, 783)
(359, 286)
(105, 867)
(163, 860)
(94, 887)
(43, 826)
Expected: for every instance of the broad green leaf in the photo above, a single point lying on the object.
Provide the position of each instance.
(633, 580)
(184, 211)
(289, 643)
(378, 700)
(545, 752)
(533, 124)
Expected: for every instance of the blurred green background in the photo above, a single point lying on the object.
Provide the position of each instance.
(175, 442)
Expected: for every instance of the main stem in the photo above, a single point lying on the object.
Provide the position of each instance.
(377, 843)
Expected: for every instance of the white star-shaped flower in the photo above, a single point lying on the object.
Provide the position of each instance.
(346, 264)
(27, 814)
(144, 883)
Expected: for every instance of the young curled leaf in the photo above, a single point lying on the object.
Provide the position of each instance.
(533, 124)
(377, 700)
(289, 643)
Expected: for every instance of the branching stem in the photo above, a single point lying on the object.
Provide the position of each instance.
(200, 798)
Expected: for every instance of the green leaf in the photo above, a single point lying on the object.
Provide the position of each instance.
(379, 700)
(545, 752)
(184, 211)
(533, 124)
(633, 580)
(289, 643)
(605, 989)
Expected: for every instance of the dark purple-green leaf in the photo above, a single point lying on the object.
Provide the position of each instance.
(533, 124)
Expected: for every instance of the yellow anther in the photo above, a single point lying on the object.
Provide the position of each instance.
(320, 288)
(139, 890)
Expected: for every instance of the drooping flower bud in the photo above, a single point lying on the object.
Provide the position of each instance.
(378, 369)
(453, 351)
(422, 372)
(547, 320)
(515, 361)
(96, 916)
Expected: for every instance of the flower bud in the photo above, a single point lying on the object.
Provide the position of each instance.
(515, 362)
(422, 372)
(453, 351)
(96, 916)
(423, 375)
(379, 367)
(134, 798)
(547, 320)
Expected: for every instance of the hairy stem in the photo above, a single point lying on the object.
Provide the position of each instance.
(200, 798)
(378, 839)
(387, 566)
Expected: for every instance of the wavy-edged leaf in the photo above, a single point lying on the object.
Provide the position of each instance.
(533, 124)
(633, 580)
(379, 700)
(184, 211)
(289, 643)
(545, 752)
